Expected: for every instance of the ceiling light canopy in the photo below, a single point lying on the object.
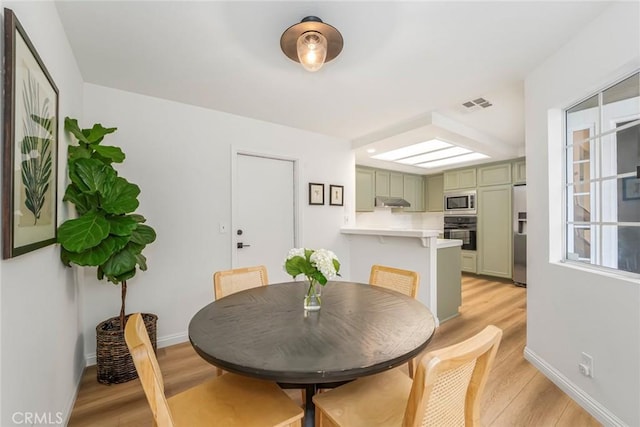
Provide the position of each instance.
(311, 43)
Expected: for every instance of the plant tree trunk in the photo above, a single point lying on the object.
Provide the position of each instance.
(124, 295)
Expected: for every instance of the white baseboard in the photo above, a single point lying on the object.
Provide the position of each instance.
(598, 411)
(72, 400)
(165, 341)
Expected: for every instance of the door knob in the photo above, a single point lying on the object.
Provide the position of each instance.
(242, 245)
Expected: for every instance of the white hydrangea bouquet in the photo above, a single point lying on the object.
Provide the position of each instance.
(318, 266)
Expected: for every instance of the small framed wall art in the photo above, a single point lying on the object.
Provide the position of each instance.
(30, 146)
(337, 195)
(316, 194)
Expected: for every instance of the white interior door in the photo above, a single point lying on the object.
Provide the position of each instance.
(264, 215)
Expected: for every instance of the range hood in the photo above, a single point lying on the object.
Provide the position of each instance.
(391, 202)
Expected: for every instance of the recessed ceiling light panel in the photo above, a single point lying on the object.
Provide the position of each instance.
(412, 150)
(453, 160)
(434, 155)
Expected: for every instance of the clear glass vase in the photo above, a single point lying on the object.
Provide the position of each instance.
(312, 300)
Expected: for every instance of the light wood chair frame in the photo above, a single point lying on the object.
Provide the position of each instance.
(481, 348)
(220, 278)
(411, 276)
(215, 402)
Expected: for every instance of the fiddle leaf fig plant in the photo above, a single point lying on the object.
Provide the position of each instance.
(106, 234)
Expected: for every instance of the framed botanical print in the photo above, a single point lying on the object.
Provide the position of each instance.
(336, 195)
(316, 194)
(30, 146)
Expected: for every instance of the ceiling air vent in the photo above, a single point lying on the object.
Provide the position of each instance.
(476, 104)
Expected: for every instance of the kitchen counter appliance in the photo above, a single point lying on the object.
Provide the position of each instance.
(462, 227)
(461, 203)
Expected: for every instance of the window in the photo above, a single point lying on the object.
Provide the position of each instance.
(603, 178)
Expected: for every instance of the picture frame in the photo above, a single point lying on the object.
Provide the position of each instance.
(336, 195)
(30, 146)
(631, 188)
(316, 193)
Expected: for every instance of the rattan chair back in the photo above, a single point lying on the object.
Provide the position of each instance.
(403, 281)
(231, 281)
(449, 381)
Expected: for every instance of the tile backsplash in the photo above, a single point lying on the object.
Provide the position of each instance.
(395, 218)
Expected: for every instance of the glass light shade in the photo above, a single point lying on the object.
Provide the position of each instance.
(312, 50)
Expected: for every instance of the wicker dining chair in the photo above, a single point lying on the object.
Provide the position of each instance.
(403, 281)
(228, 282)
(446, 390)
(228, 400)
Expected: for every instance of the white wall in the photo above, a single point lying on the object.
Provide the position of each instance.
(180, 156)
(42, 350)
(573, 310)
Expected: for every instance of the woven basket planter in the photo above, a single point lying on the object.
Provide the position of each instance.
(113, 360)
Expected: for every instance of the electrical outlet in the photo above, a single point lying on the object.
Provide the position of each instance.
(586, 365)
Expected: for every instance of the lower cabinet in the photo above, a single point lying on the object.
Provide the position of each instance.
(468, 261)
(495, 231)
(449, 283)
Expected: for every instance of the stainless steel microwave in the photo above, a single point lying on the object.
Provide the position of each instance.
(460, 203)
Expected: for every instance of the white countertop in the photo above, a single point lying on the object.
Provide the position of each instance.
(391, 232)
(448, 243)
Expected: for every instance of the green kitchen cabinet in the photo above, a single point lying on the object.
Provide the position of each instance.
(494, 175)
(460, 179)
(495, 231)
(435, 193)
(365, 189)
(520, 172)
(414, 192)
(449, 282)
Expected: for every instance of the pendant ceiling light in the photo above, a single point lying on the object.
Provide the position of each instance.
(311, 43)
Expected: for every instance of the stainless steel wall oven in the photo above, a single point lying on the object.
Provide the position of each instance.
(462, 227)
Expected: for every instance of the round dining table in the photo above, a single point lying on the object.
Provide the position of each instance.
(265, 333)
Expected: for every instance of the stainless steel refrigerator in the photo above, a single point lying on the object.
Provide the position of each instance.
(520, 235)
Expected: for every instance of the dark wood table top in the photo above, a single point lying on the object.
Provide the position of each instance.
(265, 332)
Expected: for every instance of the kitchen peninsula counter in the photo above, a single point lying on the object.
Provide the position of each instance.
(410, 249)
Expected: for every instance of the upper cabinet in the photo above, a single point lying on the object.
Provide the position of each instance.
(460, 179)
(494, 175)
(389, 184)
(379, 182)
(414, 192)
(365, 189)
(435, 193)
(520, 172)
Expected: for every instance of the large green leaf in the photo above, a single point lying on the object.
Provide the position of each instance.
(83, 202)
(94, 256)
(142, 261)
(143, 234)
(122, 277)
(88, 136)
(121, 225)
(76, 152)
(121, 197)
(120, 262)
(71, 125)
(114, 154)
(95, 176)
(80, 234)
(96, 133)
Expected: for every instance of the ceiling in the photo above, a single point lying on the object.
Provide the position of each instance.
(402, 76)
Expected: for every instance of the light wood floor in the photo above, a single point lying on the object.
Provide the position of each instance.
(516, 394)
